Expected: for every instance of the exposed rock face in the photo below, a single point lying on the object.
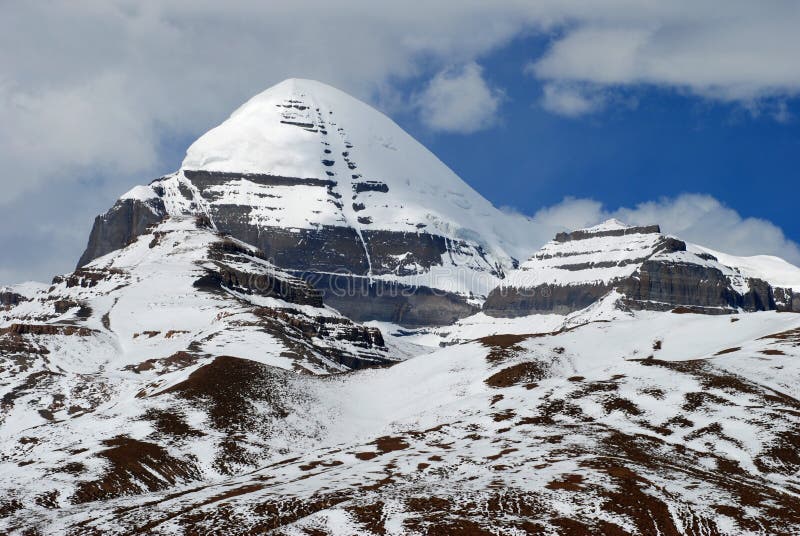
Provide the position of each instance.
(509, 302)
(340, 261)
(45, 329)
(651, 271)
(583, 234)
(230, 261)
(363, 299)
(8, 298)
(664, 285)
(115, 229)
(787, 300)
(327, 248)
(210, 280)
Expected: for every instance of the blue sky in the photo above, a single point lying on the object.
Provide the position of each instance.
(661, 143)
(564, 110)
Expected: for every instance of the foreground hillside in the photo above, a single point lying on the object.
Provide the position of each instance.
(648, 423)
(184, 384)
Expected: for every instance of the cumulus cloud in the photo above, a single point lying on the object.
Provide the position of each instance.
(700, 219)
(459, 100)
(570, 214)
(704, 220)
(570, 101)
(102, 85)
(731, 51)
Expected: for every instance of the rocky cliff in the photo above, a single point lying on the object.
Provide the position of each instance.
(129, 217)
(786, 299)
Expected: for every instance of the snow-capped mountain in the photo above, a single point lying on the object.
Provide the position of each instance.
(204, 370)
(335, 191)
(649, 270)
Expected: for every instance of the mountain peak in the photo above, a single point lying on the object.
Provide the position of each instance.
(275, 132)
(307, 129)
(305, 86)
(609, 225)
(323, 183)
(645, 269)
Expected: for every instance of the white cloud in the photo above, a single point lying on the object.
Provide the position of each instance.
(75, 78)
(101, 85)
(459, 100)
(570, 214)
(700, 219)
(704, 220)
(730, 51)
(571, 101)
(58, 134)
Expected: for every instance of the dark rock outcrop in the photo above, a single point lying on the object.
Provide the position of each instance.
(10, 299)
(760, 297)
(302, 334)
(227, 254)
(87, 277)
(46, 329)
(786, 300)
(582, 234)
(338, 260)
(327, 248)
(362, 299)
(650, 271)
(509, 302)
(115, 229)
(272, 286)
(658, 285)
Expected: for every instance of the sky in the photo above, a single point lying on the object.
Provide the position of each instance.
(681, 113)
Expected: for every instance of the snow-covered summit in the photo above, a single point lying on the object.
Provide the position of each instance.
(139, 193)
(598, 254)
(610, 224)
(307, 129)
(778, 272)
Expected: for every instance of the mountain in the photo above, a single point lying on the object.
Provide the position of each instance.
(206, 370)
(334, 191)
(648, 269)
